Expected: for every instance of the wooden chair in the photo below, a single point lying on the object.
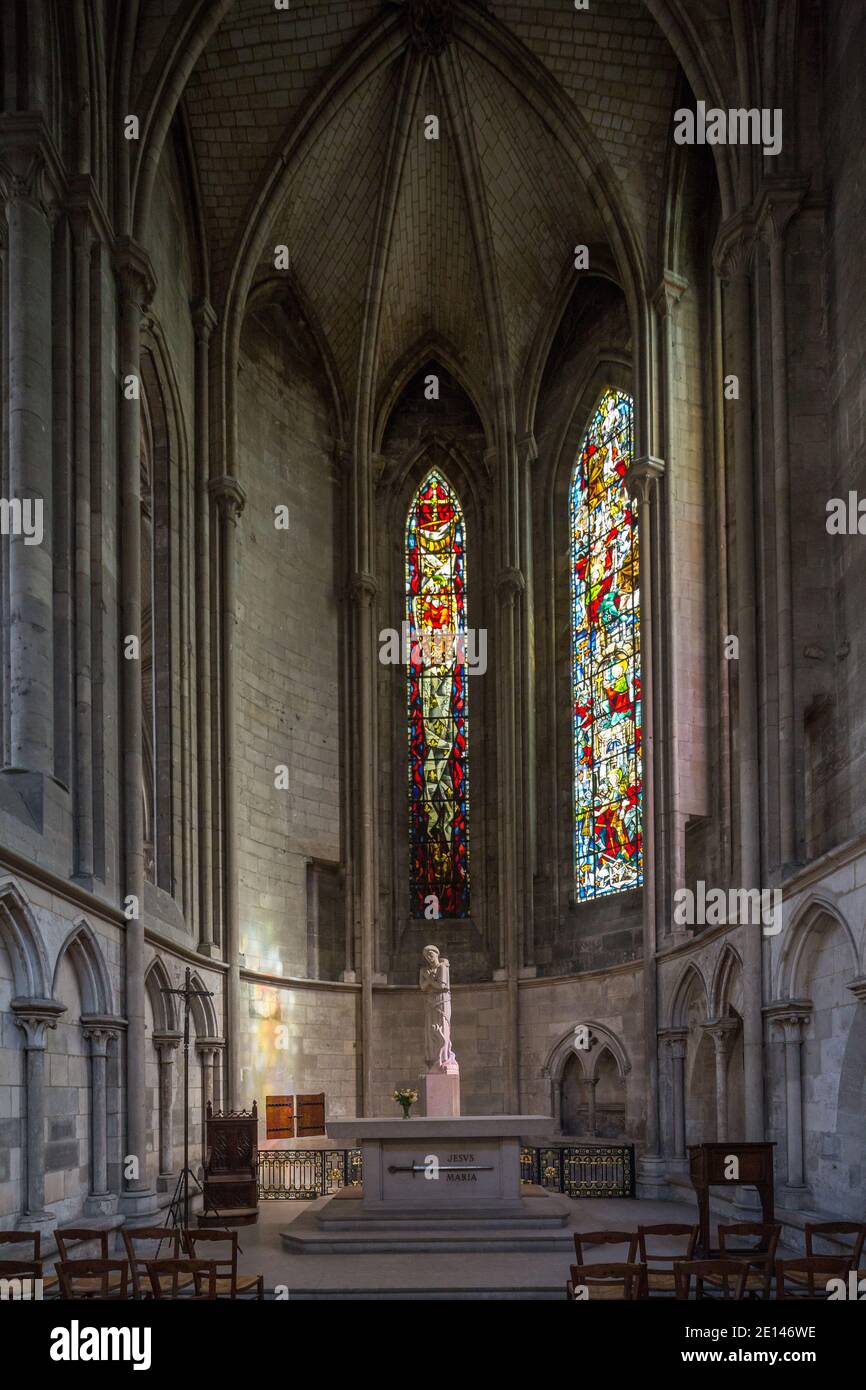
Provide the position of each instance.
(807, 1276)
(50, 1282)
(606, 1281)
(583, 1239)
(229, 1284)
(171, 1278)
(140, 1260)
(727, 1278)
(107, 1279)
(759, 1259)
(823, 1229)
(661, 1280)
(71, 1238)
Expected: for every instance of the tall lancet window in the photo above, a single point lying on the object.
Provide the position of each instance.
(605, 615)
(436, 700)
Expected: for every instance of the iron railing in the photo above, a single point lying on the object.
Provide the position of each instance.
(581, 1170)
(304, 1174)
(578, 1170)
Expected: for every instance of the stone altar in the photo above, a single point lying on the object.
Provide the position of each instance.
(442, 1183)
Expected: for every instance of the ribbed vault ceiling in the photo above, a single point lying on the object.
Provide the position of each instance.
(490, 211)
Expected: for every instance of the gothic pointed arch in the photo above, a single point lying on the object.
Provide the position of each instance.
(84, 953)
(163, 1006)
(691, 981)
(202, 1010)
(20, 935)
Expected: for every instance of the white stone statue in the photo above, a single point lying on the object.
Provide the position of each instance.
(435, 980)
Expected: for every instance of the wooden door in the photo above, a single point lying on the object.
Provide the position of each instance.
(280, 1115)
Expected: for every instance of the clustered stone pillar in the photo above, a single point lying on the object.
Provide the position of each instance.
(99, 1033)
(591, 1082)
(33, 1017)
(204, 322)
(676, 1041)
(208, 1053)
(230, 498)
(166, 1045)
(136, 283)
(363, 593)
(83, 239)
(721, 1031)
(642, 480)
(510, 586)
(24, 186)
(670, 827)
(734, 260)
(791, 1018)
(780, 203)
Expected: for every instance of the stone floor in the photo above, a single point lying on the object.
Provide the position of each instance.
(431, 1276)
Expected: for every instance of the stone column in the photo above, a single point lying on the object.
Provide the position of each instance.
(667, 296)
(642, 480)
(510, 588)
(230, 498)
(590, 1083)
(166, 1045)
(780, 202)
(99, 1033)
(135, 283)
(527, 455)
(25, 189)
(83, 239)
(676, 1041)
(721, 1031)
(733, 259)
(363, 591)
(208, 1050)
(204, 322)
(791, 1017)
(33, 1016)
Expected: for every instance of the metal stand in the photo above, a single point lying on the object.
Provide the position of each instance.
(180, 1201)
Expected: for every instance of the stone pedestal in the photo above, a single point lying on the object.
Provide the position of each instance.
(440, 1092)
(446, 1183)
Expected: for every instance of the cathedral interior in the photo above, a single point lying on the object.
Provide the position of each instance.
(430, 515)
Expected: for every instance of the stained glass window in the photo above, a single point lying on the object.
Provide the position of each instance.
(605, 612)
(437, 705)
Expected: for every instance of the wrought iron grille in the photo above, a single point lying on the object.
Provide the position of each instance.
(304, 1174)
(579, 1170)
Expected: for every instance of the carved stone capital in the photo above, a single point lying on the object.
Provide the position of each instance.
(779, 201)
(669, 292)
(721, 1030)
(527, 450)
(641, 478)
(675, 1040)
(24, 177)
(33, 1016)
(790, 1016)
(858, 988)
(735, 246)
(204, 319)
(99, 1029)
(136, 276)
(509, 583)
(166, 1043)
(362, 588)
(229, 496)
